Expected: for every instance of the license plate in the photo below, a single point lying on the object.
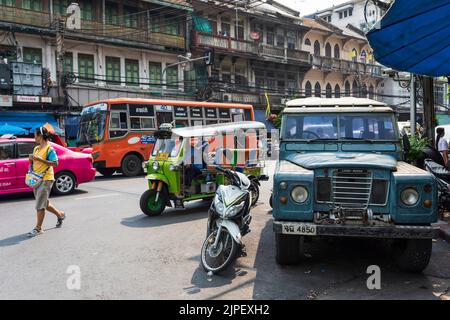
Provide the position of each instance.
(162, 156)
(304, 229)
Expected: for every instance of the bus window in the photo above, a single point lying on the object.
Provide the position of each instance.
(118, 125)
(181, 123)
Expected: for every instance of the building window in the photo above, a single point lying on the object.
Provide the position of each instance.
(308, 89)
(32, 55)
(340, 15)
(113, 70)
(131, 17)
(307, 42)
(239, 31)
(291, 39)
(131, 72)
(280, 40)
(86, 72)
(87, 10)
(345, 14)
(112, 13)
(355, 89)
(350, 12)
(35, 5)
(68, 62)
(60, 7)
(337, 91)
(154, 73)
(317, 90)
(270, 37)
(172, 77)
(173, 27)
(328, 50)
(337, 52)
(8, 3)
(354, 55)
(225, 28)
(371, 92)
(317, 48)
(329, 91)
(347, 89)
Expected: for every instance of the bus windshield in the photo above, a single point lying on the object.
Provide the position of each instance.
(349, 126)
(171, 147)
(92, 124)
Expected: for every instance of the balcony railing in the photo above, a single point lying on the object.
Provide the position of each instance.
(250, 47)
(92, 28)
(346, 66)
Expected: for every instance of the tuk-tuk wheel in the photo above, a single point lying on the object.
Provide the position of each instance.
(148, 204)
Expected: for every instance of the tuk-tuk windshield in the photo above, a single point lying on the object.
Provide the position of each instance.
(168, 146)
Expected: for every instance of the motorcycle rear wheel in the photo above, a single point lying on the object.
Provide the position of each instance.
(218, 259)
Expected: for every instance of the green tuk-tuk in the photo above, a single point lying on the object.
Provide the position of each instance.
(182, 165)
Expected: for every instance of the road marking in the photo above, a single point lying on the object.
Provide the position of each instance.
(99, 196)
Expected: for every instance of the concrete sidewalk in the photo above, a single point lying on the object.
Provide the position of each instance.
(444, 230)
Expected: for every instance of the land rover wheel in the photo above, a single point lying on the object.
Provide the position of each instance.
(131, 165)
(413, 255)
(288, 248)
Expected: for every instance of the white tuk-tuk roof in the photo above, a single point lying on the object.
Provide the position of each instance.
(216, 129)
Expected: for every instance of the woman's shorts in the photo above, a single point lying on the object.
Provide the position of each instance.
(42, 193)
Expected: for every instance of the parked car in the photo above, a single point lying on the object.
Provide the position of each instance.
(355, 183)
(74, 168)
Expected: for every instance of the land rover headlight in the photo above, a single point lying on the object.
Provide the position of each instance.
(155, 166)
(299, 194)
(409, 196)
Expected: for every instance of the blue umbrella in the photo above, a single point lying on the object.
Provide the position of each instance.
(414, 36)
(7, 129)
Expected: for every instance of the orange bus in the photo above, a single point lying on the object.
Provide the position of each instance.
(120, 131)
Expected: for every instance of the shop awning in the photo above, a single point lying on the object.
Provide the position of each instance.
(414, 36)
(202, 24)
(72, 124)
(29, 121)
(9, 129)
(260, 116)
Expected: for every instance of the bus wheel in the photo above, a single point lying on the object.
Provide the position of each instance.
(150, 206)
(106, 172)
(131, 165)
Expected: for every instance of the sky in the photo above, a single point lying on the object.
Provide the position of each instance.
(310, 6)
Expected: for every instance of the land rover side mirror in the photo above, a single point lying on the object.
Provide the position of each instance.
(406, 146)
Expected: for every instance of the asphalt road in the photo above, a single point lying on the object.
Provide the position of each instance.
(123, 254)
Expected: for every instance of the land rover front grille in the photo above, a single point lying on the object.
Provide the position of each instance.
(351, 188)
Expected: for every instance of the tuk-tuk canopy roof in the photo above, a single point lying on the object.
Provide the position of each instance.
(218, 129)
(334, 102)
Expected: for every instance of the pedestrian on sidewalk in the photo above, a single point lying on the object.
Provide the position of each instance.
(43, 160)
(442, 144)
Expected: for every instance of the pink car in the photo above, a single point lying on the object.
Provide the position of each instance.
(73, 168)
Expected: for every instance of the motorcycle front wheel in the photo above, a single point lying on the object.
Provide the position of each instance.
(217, 259)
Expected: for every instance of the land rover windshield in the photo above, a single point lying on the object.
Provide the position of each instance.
(342, 126)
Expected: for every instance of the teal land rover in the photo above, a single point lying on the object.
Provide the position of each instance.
(341, 173)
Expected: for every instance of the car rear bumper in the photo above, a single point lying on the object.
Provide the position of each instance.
(87, 176)
(357, 231)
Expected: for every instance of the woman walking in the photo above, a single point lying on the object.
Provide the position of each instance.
(43, 160)
(442, 144)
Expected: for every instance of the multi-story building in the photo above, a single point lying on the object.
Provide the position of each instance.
(257, 51)
(271, 49)
(122, 48)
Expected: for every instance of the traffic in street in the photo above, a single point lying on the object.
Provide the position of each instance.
(122, 253)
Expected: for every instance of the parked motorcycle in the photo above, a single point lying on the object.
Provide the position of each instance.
(442, 175)
(228, 221)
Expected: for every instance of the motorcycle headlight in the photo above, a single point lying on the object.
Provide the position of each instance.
(155, 166)
(220, 207)
(299, 194)
(234, 210)
(409, 196)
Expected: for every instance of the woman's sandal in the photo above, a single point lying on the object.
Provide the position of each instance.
(60, 220)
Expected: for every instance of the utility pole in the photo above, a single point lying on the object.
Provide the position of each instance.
(413, 104)
(429, 112)
(60, 52)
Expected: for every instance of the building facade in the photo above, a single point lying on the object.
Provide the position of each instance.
(122, 48)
